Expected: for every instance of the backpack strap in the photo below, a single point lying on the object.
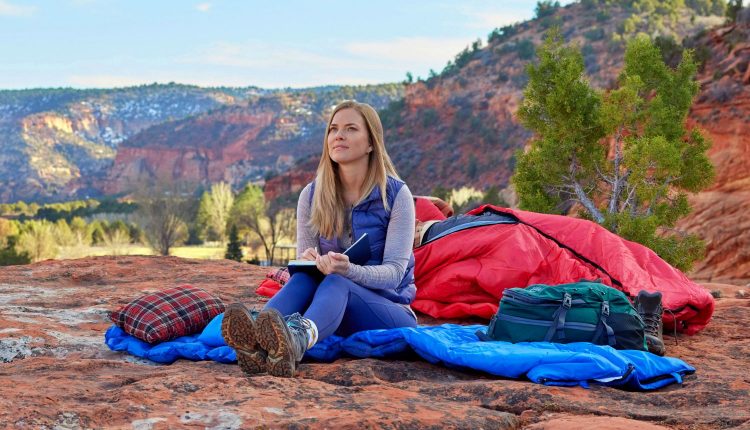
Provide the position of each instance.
(483, 336)
(603, 326)
(488, 336)
(557, 329)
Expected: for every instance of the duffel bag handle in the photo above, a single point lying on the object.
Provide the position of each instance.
(558, 324)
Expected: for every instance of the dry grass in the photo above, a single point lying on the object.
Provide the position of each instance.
(201, 252)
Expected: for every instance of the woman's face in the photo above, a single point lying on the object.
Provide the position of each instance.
(348, 139)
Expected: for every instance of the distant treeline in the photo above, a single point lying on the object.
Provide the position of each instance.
(65, 210)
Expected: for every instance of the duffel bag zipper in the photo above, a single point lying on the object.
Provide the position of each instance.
(572, 325)
(520, 297)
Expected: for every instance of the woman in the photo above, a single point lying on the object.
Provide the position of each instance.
(356, 191)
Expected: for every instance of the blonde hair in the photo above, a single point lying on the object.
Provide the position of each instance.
(329, 209)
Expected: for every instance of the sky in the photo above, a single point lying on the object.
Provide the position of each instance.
(269, 44)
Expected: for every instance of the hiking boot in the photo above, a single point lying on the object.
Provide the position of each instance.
(240, 332)
(648, 306)
(285, 341)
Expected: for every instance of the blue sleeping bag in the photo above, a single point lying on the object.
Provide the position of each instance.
(454, 346)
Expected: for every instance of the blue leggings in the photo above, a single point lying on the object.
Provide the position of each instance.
(338, 305)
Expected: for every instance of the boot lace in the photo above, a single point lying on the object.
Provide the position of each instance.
(652, 321)
(298, 327)
(675, 321)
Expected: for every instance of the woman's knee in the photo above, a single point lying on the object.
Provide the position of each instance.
(301, 277)
(335, 282)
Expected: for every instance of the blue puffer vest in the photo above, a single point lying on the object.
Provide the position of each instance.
(370, 217)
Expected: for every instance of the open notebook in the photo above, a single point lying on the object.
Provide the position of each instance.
(358, 252)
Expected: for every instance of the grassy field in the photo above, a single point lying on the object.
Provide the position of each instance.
(206, 252)
(203, 252)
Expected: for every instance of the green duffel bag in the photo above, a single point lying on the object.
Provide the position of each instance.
(579, 312)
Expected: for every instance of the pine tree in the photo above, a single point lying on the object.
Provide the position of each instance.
(234, 247)
(624, 156)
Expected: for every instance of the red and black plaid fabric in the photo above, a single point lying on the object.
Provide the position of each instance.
(279, 275)
(168, 314)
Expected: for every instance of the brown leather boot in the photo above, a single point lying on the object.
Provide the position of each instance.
(285, 340)
(240, 332)
(648, 306)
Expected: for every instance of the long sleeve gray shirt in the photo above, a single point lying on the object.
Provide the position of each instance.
(398, 242)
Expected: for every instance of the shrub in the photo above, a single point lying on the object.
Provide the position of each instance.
(596, 33)
(501, 34)
(37, 239)
(546, 8)
(525, 49)
(64, 235)
(671, 51)
(7, 228)
(429, 117)
(117, 241)
(9, 256)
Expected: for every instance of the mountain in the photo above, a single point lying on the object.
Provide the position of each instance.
(239, 143)
(56, 141)
(58, 144)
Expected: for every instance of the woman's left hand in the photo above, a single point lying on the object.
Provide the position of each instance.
(333, 262)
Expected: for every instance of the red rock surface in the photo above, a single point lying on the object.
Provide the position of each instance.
(56, 372)
(721, 214)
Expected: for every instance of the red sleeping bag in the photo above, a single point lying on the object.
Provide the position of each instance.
(464, 273)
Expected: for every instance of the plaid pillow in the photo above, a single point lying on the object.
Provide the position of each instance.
(167, 314)
(280, 275)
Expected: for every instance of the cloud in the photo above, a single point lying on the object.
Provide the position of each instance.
(481, 16)
(419, 51)
(406, 50)
(10, 9)
(485, 20)
(276, 64)
(262, 55)
(203, 7)
(83, 2)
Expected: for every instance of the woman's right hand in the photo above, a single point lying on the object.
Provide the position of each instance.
(309, 254)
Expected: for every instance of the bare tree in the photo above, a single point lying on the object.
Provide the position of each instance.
(161, 212)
